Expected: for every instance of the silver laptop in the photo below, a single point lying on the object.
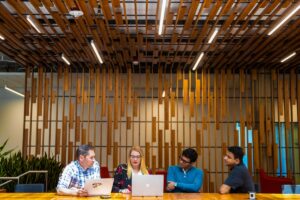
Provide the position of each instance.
(99, 187)
(147, 185)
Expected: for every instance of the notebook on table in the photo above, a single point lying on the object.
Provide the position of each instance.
(99, 187)
(147, 185)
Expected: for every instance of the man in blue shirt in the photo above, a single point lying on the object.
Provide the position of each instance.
(185, 177)
(239, 179)
(75, 174)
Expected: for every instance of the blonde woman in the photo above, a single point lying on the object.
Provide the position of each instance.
(135, 166)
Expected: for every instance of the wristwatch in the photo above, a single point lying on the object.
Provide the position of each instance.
(175, 184)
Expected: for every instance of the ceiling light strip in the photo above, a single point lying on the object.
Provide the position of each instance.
(198, 61)
(213, 36)
(96, 51)
(33, 24)
(162, 15)
(65, 59)
(14, 91)
(288, 57)
(2, 37)
(284, 20)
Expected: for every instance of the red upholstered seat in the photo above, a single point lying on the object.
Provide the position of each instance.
(165, 173)
(270, 184)
(104, 172)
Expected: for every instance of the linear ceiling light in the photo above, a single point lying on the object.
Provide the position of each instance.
(163, 94)
(284, 20)
(13, 91)
(162, 15)
(213, 36)
(65, 59)
(288, 57)
(198, 61)
(96, 51)
(2, 37)
(29, 19)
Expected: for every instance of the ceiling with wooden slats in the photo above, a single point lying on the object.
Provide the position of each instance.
(127, 31)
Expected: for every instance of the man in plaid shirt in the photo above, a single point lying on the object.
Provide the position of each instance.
(75, 174)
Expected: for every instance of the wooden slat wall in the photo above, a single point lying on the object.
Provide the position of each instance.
(98, 107)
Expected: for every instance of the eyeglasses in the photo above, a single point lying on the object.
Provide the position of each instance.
(135, 157)
(184, 161)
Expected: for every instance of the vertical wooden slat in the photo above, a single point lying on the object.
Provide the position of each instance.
(129, 85)
(204, 87)
(78, 89)
(116, 100)
(192, 107)
(109, 130)
(166, 111)
(33, 90)
(185, 91)
(128, 123)
(236, 137)
(179, 149)
(256, 149)
(147, 87)
(57, 141)
(280, 96)
(122, 98)
(25, 142)
(27, 97)
(147, 153)
(293, 84)
(64, 140)
(83, 136)
(160, 148)
(153, 164)
(71, 115)
(262, 122)
(198, 141)
(153, 129)
(115, 155)
(40, 91)
(77, 129)
(97, 86)
(268, 139)
(198, 90)
(166, 158)
(110, 79)
(160, 85)
(249, 154)
(172, 104)
(38, 141)
(173, 152)
(103, 105)
(46, 103)
(70, 152)
(286, 104)
(66, 79)
(135, 105)
(275, 157)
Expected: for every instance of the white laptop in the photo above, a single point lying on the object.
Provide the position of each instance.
(99, 187)
(147, 185)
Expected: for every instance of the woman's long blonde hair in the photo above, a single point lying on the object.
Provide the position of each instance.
(143, 167)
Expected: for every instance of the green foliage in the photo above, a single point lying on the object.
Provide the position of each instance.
(5, 153)
(15, 164)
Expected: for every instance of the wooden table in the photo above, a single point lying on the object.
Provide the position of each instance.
(168, 196)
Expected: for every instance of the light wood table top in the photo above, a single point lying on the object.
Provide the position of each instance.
(167, 196)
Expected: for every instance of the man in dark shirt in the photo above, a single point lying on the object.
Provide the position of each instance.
(239, 179)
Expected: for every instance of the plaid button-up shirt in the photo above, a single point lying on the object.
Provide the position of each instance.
(75, 176)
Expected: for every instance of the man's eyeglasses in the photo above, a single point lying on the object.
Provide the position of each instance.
(135, 157)
(183, 160)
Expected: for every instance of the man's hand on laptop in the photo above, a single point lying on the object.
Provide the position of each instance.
(82, 192)
(125, 191)
(171, 185)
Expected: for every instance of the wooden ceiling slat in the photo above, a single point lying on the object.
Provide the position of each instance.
(125, 29)
(192, 11)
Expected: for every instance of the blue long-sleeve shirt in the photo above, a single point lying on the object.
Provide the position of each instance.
(189, 181)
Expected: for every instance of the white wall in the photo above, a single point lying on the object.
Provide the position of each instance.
(11, 121)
